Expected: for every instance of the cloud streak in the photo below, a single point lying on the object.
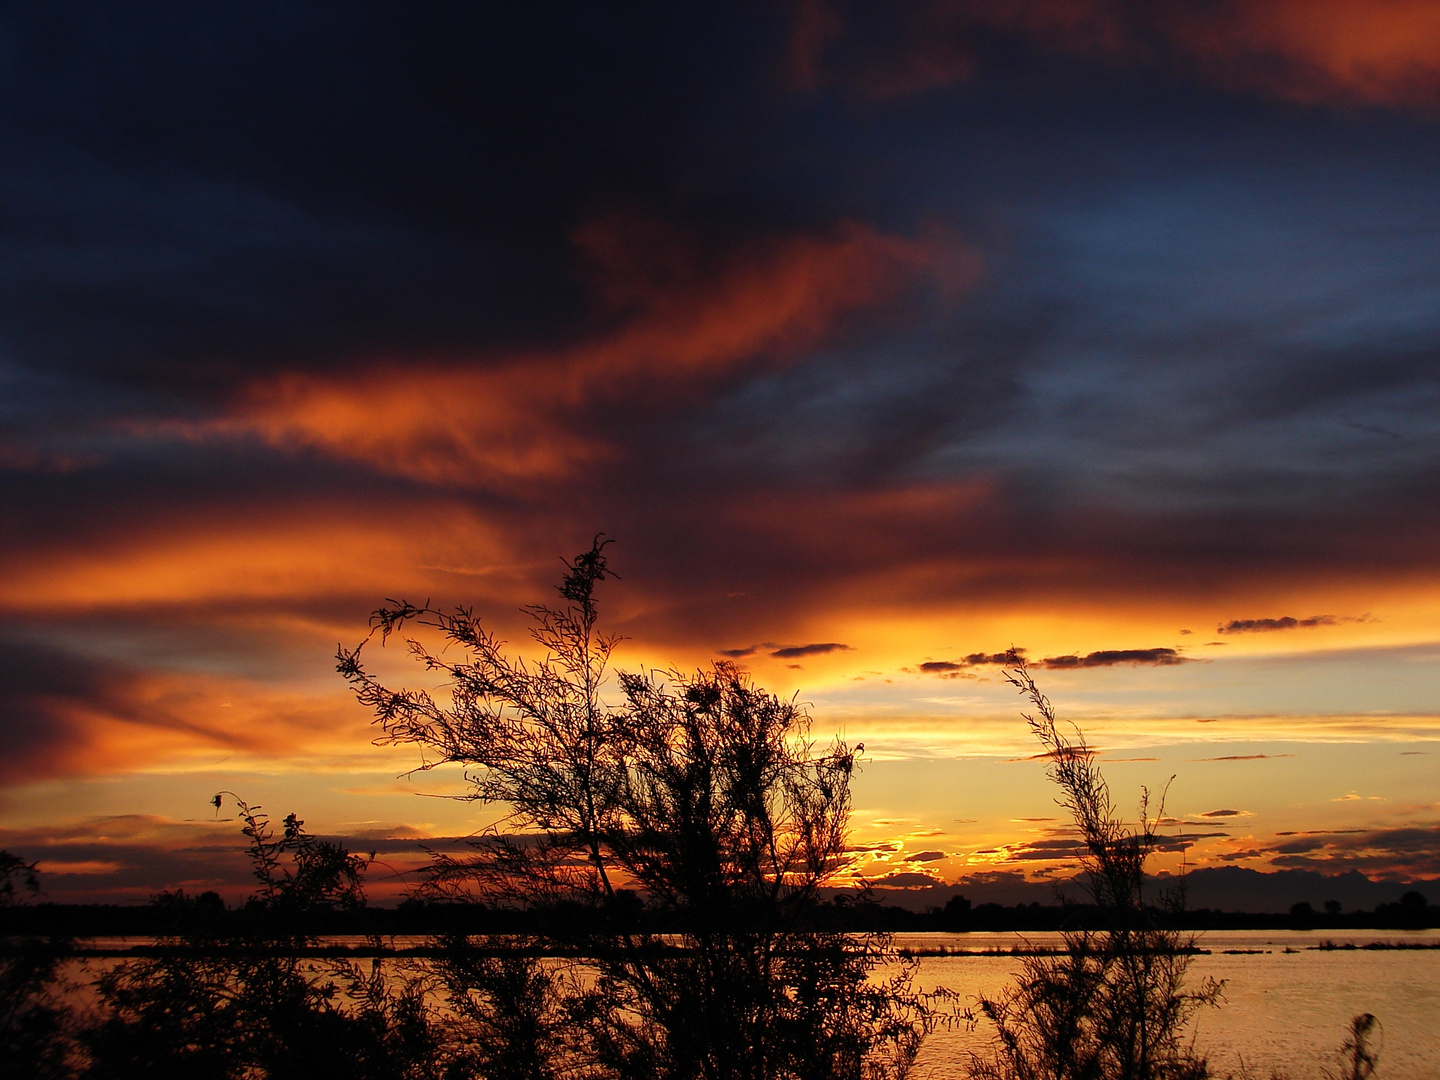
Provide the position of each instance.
(681, 325)
(1285, 622)
(1404, 852)
(1163, 657)
(1101, 658)
(1315, 52)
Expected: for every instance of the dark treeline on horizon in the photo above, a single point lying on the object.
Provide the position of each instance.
(171, 914)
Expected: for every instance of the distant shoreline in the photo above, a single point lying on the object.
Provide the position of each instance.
(80, 949)
(215, 922)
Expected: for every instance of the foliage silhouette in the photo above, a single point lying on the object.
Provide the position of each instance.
(246, 1004)
(1358, 1058)
(35, 1037)
(1112, 1005)
(700, 791)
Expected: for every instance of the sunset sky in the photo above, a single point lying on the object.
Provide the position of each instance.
(879, 338)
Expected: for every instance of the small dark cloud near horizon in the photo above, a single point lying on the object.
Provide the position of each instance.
(1162, 657)
(1009, 656)
(818, 648)
(1088, 753)
(787, 652)
(1285, 622)
(925, 856)
(954, 669)
(1244, 757)
(940, 667)
(1221, 813)
(1159, 657)
(903, 880)
(740, 654)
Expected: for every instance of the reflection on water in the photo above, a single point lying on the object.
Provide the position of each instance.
(1283, 1009)
(1287, 1003)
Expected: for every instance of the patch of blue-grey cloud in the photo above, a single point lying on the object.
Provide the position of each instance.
(1256, 334)
(861, 411)
(160, 277)
(1227, 340)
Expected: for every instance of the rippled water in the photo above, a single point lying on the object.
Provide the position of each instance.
(1282, 1010)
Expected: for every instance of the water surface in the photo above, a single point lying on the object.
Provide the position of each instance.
(1286, 1003)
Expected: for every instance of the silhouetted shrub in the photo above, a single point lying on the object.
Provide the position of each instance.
(34, 1020)
(702, 792)
(219, 1004)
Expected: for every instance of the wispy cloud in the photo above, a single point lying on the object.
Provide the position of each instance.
(1316, 52)
(1244, 757)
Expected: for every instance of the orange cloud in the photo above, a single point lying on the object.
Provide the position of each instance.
(677, 322)
(1380, 52)
(1337, 52)
(256, 556)
(73, 713)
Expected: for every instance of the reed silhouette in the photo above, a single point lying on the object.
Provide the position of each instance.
(1113, 1005)
(698, 795)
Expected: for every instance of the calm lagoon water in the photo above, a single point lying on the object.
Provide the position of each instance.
(1286, 1003)
(1284, 1010)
